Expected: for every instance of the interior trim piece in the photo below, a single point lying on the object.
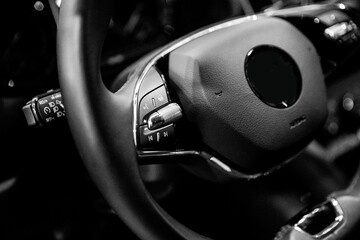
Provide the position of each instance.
(331, 228)
(147, 157)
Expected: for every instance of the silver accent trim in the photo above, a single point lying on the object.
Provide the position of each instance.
(331, 228)
(164, 116)
(220, 164)
(304, 9)
(159, 154)
(151, 63)
(33, 109)
(212, 160)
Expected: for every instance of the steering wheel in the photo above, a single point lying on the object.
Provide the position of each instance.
(252, 88)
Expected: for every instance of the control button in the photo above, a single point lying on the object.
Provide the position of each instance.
(164, 116)
(333, 17)
(30, 115)
(51, 107)
(160, 139)
(350, 111)
(151, 81)
(345, 32)
(152, 101)
(44, 108)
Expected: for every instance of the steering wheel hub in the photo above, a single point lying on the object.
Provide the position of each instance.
(270, 104)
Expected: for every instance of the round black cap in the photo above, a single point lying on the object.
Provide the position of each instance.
(273, 76)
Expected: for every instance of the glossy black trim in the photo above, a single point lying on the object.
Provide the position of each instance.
(273, 75)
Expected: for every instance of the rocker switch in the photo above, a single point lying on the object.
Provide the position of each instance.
(164, 116)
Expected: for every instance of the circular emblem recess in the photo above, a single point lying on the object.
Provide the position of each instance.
(273, 76)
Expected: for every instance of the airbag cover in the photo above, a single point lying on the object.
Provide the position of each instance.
(209, 76)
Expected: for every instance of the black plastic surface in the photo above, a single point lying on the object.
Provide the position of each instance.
(151, 81)
(152, 101)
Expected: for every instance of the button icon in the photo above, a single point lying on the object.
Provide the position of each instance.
(55, 109)
(157, 140)
(56, 95)
(49, 119)
(42, 101)
(47, 110)
(166, 134)
(60, 114)
(51, 104)
(158, 137)
(161, 98)
(146, 106)
(152, 101)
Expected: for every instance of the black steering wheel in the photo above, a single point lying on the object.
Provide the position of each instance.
(252, 88)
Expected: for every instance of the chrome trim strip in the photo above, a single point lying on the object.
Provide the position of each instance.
(33, 109)
(208, 158)
(297, 228)
(220, 164)
(153, 154)
(331, 228)
(309, 8)
(201, 33)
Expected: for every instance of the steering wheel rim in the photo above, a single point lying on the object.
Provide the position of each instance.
(82, 26)
(91, 108)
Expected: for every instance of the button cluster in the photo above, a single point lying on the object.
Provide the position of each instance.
(153, 100)
(340, 27)
(345, 32)
(153, 96)
(51, 107)
(162, 138)
(44, 109)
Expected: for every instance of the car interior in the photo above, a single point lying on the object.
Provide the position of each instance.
(180, 119)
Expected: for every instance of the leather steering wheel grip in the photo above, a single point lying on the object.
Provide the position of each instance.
(101, 121)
